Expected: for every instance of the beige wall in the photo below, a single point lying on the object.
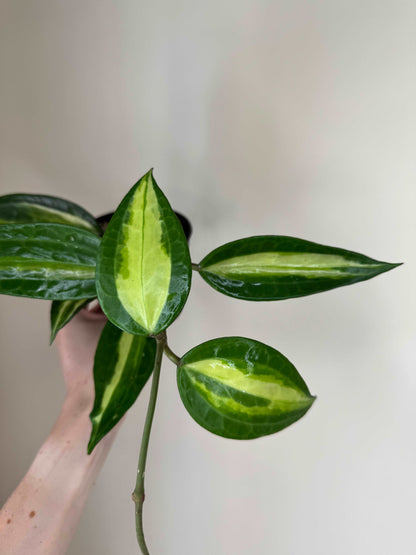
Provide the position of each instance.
(285, 117)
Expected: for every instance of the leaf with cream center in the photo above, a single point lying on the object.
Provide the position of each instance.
(26, 208)
(269, 268)
(143, 266)
(240, 388)
(47, 261)
(122, 365)
(62, 312)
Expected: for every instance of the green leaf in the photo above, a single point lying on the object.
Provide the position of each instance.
(271, 268)
(241, 389)
(47, 261)
(122, 366)
(25, 208)
(62, 312)
(143, 266)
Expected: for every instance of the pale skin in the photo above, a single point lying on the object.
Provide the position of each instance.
(41, 515)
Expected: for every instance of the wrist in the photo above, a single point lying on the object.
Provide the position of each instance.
(78, 400)
(41, 515)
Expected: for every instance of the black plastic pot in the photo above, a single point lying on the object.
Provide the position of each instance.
(104, 220)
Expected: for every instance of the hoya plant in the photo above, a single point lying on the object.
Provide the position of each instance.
(140, 270)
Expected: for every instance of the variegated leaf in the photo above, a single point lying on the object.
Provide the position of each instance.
(47, 261)
(26, 208)
(62, 312)
(269, 268)
(143, 266)
(240, 388)
(122, 366)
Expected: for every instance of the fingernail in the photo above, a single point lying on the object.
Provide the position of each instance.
(93, 306)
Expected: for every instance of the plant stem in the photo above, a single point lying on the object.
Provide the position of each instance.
(171, 355)
(138, 494)
(195, 267)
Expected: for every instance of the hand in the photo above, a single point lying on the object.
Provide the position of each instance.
(77, 343)
(40, 516)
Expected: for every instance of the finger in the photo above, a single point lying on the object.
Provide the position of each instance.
(93, 311)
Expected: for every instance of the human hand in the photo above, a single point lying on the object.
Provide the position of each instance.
(77, 343)
(41, 514)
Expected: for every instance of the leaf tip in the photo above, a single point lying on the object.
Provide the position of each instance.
(387, 266)
(94, 439)
(149, 174)
(394, 265)
(309, 401)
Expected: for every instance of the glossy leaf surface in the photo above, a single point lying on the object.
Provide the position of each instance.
(122, 366)
(24, 208)
(143, 266)
(269, 268)
(47, 261)
(240, 388)
(62, 312)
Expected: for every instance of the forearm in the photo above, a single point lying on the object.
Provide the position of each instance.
(41, 515)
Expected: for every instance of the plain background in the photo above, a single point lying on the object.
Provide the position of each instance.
(290, 117)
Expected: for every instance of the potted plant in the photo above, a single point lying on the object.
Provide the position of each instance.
(140, 270)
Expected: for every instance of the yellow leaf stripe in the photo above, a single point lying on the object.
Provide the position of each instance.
(286, 263)
(278, 394)
(124, 346)
(144, 273)
(68, 307)
(45, 214)
(33, 269)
